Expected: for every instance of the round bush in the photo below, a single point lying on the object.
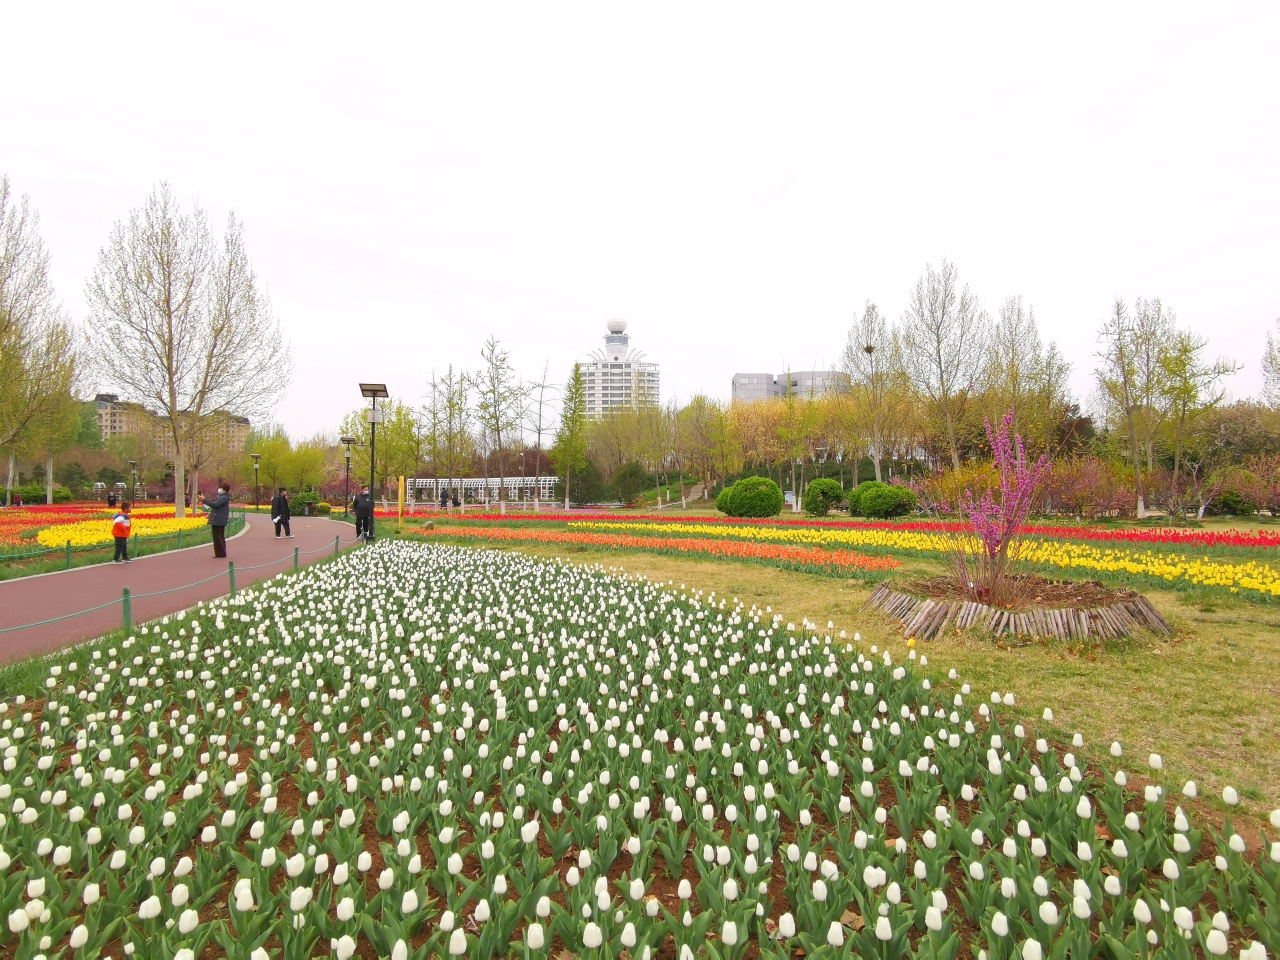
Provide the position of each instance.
(323, 508)
(722, 500)
(881, 500)
(755, 497)
(821, 496)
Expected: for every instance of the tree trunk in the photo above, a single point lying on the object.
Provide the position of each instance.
(1135, 452)
(875, 458)
(8, 485)
(179, 484)
(48, 480)
(195, 489)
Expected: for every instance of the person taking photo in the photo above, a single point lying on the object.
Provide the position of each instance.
(219, 512)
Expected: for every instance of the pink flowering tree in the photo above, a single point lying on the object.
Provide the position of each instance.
(985, 557)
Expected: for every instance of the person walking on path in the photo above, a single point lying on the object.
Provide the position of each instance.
(120, 528)
(219, 512)
(280, 513)
(363, 508)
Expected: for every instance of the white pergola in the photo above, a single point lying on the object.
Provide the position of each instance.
(482, 489)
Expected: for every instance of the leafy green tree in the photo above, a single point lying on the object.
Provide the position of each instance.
(631, 480)
(569, 454)
(89, 435)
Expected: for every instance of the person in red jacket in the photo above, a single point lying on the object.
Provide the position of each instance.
(120, 529)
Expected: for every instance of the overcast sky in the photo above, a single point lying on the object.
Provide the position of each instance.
(733, 180)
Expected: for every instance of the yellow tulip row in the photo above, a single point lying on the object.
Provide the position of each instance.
(1251, 577)
(87, 533)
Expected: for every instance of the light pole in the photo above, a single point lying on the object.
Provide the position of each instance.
(133, 481)
(346, 488)
(256, 457)
(373, 391)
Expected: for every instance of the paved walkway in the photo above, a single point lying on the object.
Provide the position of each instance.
(50, 595)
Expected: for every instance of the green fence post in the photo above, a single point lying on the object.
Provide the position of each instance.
(127, 606)
(135, 546)
(231, 574)
(179, 539)
(68, 554)
(335, 546)
(295, 558)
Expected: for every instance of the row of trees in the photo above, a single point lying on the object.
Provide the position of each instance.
(913, 396)
(178, 322)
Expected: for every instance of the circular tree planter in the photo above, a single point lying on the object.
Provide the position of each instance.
(1063, 609)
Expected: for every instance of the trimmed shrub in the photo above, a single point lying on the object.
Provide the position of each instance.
(33, 494)
(821, 496)
(323, 508)
(722, 500)
(881, 500)
(754, 497)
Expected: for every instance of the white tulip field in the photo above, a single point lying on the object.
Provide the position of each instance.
(418, 751)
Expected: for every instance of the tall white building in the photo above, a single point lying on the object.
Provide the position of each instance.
(616, 375)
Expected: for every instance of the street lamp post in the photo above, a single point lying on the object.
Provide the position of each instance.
(133, 482)
(373, 391)
(346, 489)
(256, 499)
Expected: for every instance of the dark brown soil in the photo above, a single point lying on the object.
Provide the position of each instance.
(1030, 592)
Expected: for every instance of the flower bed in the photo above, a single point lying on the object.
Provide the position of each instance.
(416, 750)
(18, 524)
(149, 522)
(1253, 578)
(1166, 536)
(834, 562)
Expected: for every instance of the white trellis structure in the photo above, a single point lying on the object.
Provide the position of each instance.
(483, 490)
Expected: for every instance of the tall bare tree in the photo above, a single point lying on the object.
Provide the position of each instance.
(871, 360)
(1119, 378)
(944, 340)
(37, 356)
(182, 323)
(450, 402)
(500, 409)
(539, 416)
(1271, 369)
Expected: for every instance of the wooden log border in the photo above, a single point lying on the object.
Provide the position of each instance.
(926, 619)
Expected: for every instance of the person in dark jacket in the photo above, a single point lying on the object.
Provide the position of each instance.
(280, 513)
(444, 498)
(219, 512)
(362, 507)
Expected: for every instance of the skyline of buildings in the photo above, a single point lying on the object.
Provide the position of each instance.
(123, 418)
(762, 386)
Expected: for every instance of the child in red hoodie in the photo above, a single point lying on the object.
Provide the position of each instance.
(120, 530)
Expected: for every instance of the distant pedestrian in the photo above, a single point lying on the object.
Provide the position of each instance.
(121, 527)
(444, 498)
(280, 513)
(219, 512)
(112, 500)
(362, 506)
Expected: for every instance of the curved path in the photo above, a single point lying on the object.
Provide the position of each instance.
(43, 597)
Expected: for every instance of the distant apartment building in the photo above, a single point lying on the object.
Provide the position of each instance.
(616, 376)
(120, 418)
(805, 383)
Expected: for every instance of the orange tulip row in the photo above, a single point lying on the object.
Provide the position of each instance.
(838, 562)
